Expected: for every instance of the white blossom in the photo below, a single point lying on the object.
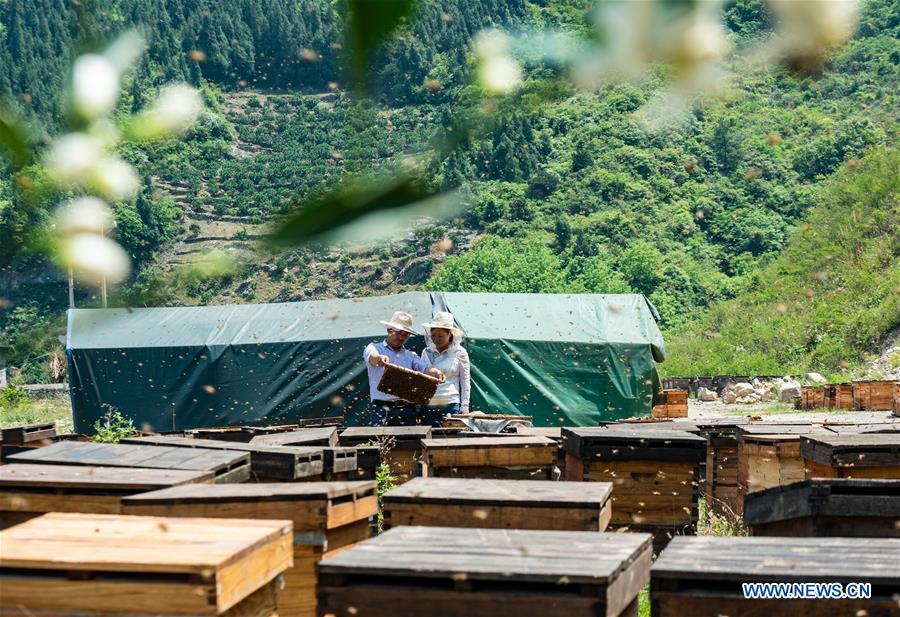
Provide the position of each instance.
(95, 85)
(73, 157)
(115, 179)
(175, 110)
(498, 72)
(84, 214)
(95, 258)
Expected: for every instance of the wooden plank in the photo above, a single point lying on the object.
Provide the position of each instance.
(278, 462)
(186, 565)
(320, 436)
(106, 478)
(402, 436)
(489, 452)
(852, 449)
(123, 455)
(620, 442)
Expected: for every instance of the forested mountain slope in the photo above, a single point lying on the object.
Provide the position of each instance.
(568, 191)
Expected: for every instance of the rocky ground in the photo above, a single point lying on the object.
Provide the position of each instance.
(782, 412)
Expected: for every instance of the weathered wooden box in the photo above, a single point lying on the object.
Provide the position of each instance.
(812, 397)
(721, 469)
(399, 446)
(503, 457)
(407, 384)
(267, 463)
(499, 504)
(655, 474)
(75, 564)
(326, 516)
(226, 465)
(769, 455)
(27, 434)
(873, 395)
(486, 573)
(675, 405)
(551, 432)
(27, 491)
(826, 507)
(851, 455)
(703, 576)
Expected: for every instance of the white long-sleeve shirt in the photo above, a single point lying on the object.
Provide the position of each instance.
(454, 363)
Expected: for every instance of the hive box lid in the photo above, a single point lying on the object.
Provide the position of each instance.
(490, 492)
(623, 444)
(780, 559)
(275, 491)
(76, 476)
(492, 554)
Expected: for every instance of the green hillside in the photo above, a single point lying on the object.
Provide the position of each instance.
(831, 294)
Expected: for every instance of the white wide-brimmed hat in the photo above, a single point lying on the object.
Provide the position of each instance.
(443, 319)
(401, 320)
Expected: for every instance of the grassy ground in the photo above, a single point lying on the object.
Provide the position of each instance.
(56, 409)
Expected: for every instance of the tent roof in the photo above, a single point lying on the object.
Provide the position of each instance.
(241, 324)
(578, 318)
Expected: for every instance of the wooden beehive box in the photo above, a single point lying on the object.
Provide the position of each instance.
(874, 395)
(812, 397)
(486, 573)
(655, 474)
(226, 465)
(703, 576)
(501, 457)
(368, 458)
(407, 384)
(339, 464)
(851, 455)
(896, 404)
(721, 472)
(843, 396)
(27, 434)
(267, 463)
(318, 436)
(27, 491)
(675, 405)
(499, 504)
(327, 517)
(769, 455)
(72, 564)
(239, 434)
(400, 445)
(826, 507)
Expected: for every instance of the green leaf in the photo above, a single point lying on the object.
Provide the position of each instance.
(369, 24)
(14, 139)
(346, 204)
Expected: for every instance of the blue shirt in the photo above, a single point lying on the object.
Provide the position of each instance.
(404, 358)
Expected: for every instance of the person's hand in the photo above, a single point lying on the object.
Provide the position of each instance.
(377, 359)
(437, 374)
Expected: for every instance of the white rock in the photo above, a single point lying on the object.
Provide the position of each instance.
(743, 389)
(705, 394)
(816, 378)
(729, 397)
(789, 389)
(756, 382)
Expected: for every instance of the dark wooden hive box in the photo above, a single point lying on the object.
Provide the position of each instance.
(266, 462)
(702, 576)
(226, 465)
(499, 504)
(451, 572)
(318, 436)
(655, 474)
(852, 455)
(501, 457)
(826, 507)
(399, 445)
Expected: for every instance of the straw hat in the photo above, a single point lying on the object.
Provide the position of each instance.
(401, 320)
(443, 319)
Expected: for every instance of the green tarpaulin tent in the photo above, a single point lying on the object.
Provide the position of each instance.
(564, 359)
